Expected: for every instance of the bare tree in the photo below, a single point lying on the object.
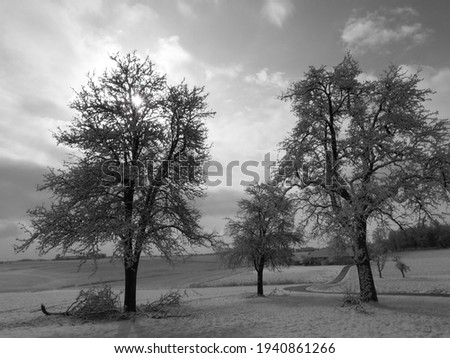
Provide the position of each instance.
(142, 144)
(378, 250)
(264, 233)
(401, 265)
(362, 151)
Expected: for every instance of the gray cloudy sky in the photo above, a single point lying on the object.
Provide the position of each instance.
(245, 53)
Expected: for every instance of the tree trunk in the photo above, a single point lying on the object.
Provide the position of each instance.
(130, 290)
(259, 269)
(130, 287)
(379, 270)
(260, 287)
(367, 285)
(130, 261)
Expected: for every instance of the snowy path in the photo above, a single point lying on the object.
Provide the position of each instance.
(324, 288)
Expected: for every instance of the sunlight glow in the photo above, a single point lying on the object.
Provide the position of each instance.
(137, 100)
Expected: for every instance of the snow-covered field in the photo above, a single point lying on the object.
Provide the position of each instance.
(289, 275)
(429, 273)
(234, 311)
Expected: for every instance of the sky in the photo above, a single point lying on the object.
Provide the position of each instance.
(245, 53)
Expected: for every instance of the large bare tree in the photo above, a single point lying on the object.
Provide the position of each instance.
(141, 145)
(364, 150)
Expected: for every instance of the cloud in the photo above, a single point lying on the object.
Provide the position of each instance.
(171, 58)
(178, 63)
(170, 51)
(367, 76)
(190, 9)
(438, 80)
(265, 78)
(404, 11)
(381, 28)
(8, 233)
(186, 9)
(276, 11)
(47, 48)
(17, 194)
(221, 202)
(18, 187)
(226, 71)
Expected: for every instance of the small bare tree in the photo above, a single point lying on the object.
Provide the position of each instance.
(378, 250)
(264, 233)
(401, 266)
(379, 256)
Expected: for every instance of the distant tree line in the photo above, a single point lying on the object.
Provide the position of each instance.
(419, 237)
(98, 256)
(333, 260)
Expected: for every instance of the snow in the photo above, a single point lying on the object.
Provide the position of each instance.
(429, 273)
(289, 275)
(236, 312)
(223, 304)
